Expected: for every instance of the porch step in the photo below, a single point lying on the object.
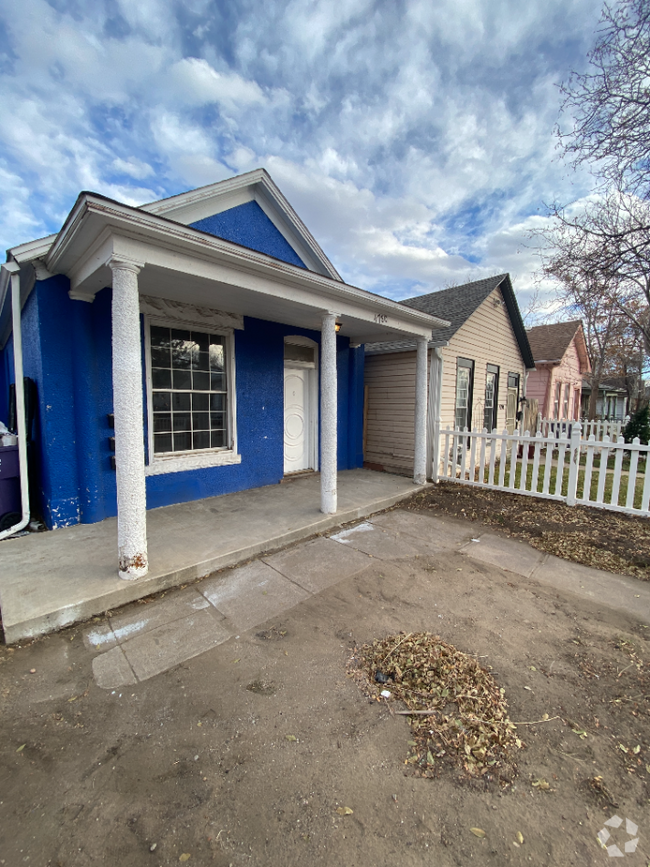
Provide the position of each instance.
(300, 474)
(52, 580)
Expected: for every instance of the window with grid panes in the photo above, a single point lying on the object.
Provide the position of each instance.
(464, 387)
(189, 390)
(491, 397)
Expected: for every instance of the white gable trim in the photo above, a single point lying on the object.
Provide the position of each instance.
(32, 249)
(178, 207)
(256, 186)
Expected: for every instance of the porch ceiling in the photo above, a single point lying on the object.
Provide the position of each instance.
(160, 282)
(184, 264)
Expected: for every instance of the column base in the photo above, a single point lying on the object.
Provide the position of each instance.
(132, 568)
(329, 505)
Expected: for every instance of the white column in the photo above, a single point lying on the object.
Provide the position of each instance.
(420, 463)
(129, 433)
(434, 420)
(328, 407)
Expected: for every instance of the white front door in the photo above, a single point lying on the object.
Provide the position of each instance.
(297, 420)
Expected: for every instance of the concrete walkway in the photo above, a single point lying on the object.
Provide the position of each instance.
(135, 646)
(50, 580)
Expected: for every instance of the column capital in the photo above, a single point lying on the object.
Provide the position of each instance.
(124, 263)
(81, 295)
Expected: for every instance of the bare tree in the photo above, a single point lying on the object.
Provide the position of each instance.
(582, 296)
(600, 255)
(610, 104)
(607, 247)
(625, 362)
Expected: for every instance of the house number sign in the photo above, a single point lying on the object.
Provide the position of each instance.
(381, 318)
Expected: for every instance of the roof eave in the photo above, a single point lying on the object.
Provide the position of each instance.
(517, 322)
(157, 228)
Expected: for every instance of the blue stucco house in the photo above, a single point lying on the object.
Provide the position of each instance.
(194, 346)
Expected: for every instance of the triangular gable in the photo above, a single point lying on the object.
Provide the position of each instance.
(551, 342)
(459, 303)
(249, 226)
(220, 209)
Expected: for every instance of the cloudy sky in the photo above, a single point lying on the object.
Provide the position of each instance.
(414, 137)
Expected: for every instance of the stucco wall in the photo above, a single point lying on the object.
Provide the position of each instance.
(259, 352)
(68, 354)
(48, 337)
(249, 226)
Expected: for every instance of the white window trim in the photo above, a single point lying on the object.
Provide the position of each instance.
(176, 462)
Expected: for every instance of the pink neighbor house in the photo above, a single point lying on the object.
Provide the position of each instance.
(561, 361)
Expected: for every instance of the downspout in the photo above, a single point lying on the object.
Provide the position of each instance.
(11, 272)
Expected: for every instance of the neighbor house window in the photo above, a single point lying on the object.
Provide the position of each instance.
(491, 397)
(556, 403)
(565, 408)
(189, 393)
(464, 387)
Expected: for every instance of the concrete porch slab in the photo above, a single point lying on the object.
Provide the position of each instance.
(251, 594)
(318, 564)
(50, 580)
(506, 553)
(376, 542)
(441, 534)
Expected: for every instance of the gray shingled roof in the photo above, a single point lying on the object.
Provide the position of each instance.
(550, 342)
(456, 305)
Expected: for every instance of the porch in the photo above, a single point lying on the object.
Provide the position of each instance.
(51, 580)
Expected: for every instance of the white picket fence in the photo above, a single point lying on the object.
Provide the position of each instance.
(600, 428)
(550, 466)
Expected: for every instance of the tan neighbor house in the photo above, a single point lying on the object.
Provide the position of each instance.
(477, 371)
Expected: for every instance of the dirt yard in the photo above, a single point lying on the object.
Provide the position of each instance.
(265, 751)
(594, 537)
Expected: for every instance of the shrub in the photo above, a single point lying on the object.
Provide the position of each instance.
(638, 426)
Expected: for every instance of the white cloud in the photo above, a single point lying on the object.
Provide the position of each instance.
(414, 139)
(133, 167)
(197, 83)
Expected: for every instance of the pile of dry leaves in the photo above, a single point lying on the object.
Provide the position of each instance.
(456, 710)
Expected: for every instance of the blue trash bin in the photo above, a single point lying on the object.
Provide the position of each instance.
(10, 502)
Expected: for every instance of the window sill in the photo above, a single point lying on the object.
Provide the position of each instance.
(181, 463)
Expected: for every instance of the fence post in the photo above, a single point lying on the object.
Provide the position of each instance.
(574, 463)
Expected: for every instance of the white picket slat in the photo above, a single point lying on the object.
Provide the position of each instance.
(466, 460)
(590, 449)
(631, 476)
(618, 466)
(602, 471)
